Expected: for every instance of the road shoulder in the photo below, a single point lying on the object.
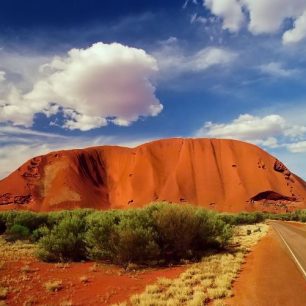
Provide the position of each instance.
(269, 277)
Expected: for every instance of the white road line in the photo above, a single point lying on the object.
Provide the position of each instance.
(290, 250)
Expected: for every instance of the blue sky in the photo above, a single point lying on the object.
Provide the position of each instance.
(83, 73)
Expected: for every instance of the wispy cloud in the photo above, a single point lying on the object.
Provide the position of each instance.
(174, 60)
(276, 69)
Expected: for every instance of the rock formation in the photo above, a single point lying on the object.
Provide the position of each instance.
(224, 175)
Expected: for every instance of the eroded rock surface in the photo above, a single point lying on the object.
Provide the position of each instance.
(224, 175)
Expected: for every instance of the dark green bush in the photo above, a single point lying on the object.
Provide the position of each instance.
(176, 228)
(100, 237)
(121, 237)
(243, 218)
(135, 240)
(160, 232)
(28, 219)
(185, 231)
(64, 242)
(17, 232)
(39, 233)
(157, 233)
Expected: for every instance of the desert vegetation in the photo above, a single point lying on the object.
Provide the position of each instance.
(208, 247)
(155, 235)
(208, 280)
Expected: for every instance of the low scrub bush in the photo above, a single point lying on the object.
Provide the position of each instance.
(135, 241)
(159, 233)
(17, 232)
(243, 218)
(64, 242)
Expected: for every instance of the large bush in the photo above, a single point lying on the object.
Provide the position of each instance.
(28, 219)
(243, 218)
(160, 232)
(176, 228)
(17, 232)
(184, 231)
(64, 242)
(135, 239)
(100, 236)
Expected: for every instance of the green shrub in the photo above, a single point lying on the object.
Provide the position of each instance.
(64, 242)
(243, 218)
(121, 237)
(39, 233)
(28, 219)
(176, 228)
(100, 237)
(135, 240)
(184, 231)
(158, 232)
(17, 232)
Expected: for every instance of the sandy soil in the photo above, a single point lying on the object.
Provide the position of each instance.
(269, 277)
(106, 284)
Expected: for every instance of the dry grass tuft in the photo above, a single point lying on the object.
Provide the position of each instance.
(29, 302)
(94, 267)
(62, 265)
(84, 279)
(16, 250)
(53, 286)
(27, 269)
(206, 281)
(66, 303)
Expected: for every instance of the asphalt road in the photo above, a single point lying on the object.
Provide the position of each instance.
(294, 238)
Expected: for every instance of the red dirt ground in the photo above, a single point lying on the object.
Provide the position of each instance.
(223, 175)
(269, 277)
(105, 286)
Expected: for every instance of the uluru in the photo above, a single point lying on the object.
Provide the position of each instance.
(218, 174)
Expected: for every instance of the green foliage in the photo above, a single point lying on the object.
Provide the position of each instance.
(135, 239)
(39, 233)
(17, 232)
(64, 242)
(28, 219)
(100, 236)
(121, 237)
(158, 233)
(243, 218)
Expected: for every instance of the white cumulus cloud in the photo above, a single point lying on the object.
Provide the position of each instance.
(93, 86)
(263, 16)
(298, 32)
(267, 131)
(297, 147)
(229, 10)
(246, 127)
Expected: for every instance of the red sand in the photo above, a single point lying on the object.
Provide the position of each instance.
(223, 175)
(107, 285)
(269, 277)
